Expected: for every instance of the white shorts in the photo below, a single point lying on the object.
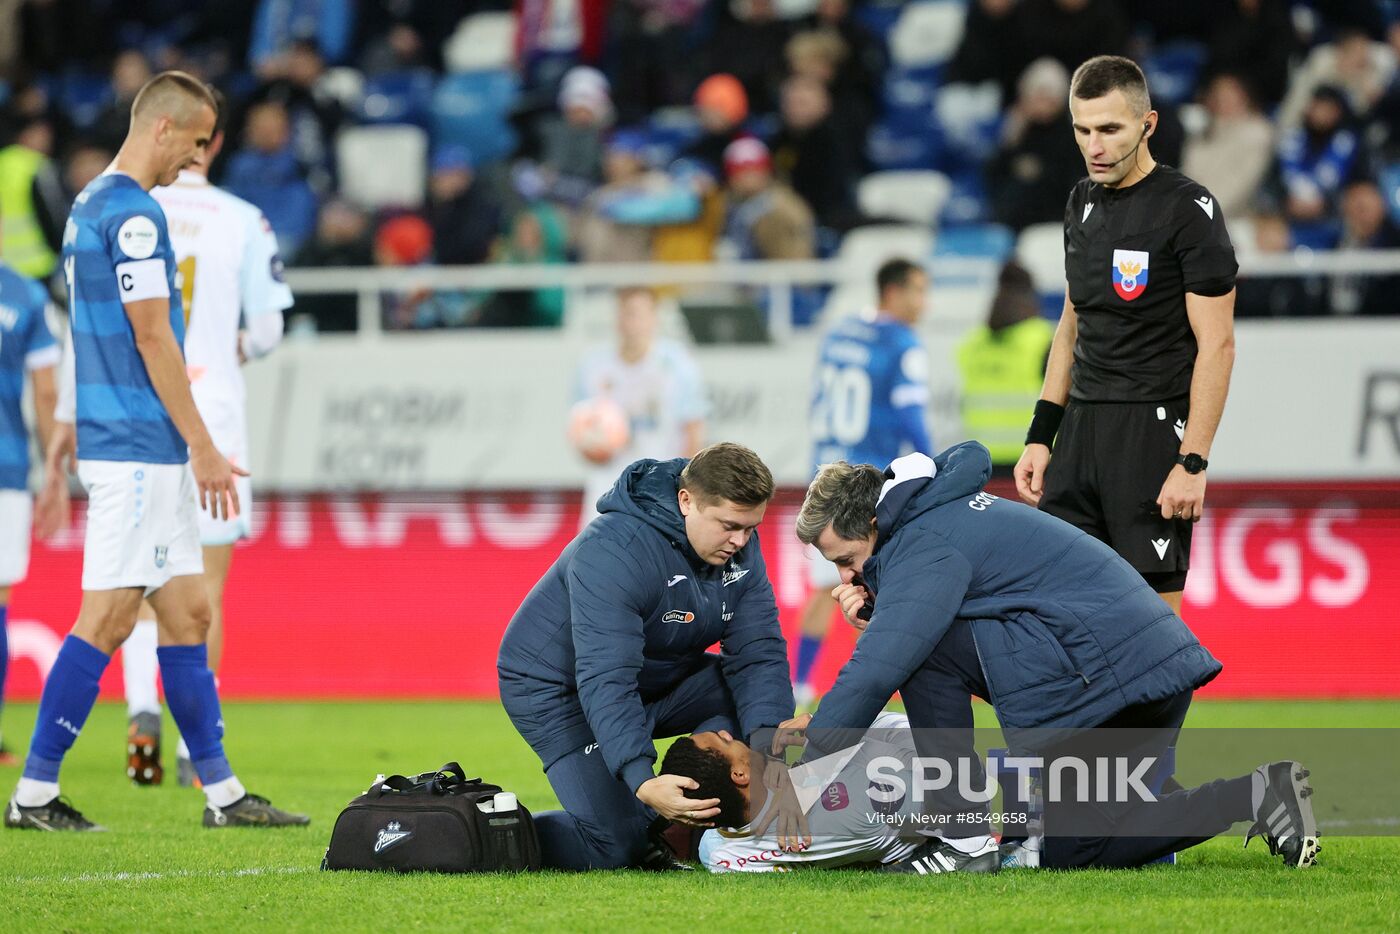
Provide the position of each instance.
(821, 574)
(142, 525)
(16, 513)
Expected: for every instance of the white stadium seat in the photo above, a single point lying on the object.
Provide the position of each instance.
(914, 196)
(927, 34)
(483, 42)
(865, 248)
(1041, 249)
(383, 166)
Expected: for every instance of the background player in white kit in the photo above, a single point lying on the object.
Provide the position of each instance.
(658, 385)
(233, 292)
(148, 462)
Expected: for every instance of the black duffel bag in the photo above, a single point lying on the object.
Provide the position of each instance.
(435, 822)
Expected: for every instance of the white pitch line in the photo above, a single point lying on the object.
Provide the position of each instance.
(154, 876)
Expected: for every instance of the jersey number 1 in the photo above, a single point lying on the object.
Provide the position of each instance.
(186, 270)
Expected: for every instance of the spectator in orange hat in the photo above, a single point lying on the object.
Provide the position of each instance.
(722, 106)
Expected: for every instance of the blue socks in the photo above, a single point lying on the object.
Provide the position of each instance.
(4, 653)
(69, 693)
(807, 648)
(194, 703)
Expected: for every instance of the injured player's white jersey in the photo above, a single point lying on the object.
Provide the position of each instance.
(230, 277)
(848, 826)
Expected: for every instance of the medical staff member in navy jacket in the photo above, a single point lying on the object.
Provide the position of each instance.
(608, 651)
(977, 595)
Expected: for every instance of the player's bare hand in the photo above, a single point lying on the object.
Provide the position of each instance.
(851, 597)
(789, 733)
(52, 510)
(665, 794)
(1183, 495)
(793, 833)
(1030, 473)
(214, 477)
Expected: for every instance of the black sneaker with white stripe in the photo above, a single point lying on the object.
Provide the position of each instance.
(939, 856)
(57, 815)
(252, 811)
(1285, 816)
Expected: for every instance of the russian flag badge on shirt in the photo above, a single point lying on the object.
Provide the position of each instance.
(1129, 273)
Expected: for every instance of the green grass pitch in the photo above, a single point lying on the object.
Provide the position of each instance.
(157, 869)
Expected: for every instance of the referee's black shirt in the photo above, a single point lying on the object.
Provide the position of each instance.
(1131, 255)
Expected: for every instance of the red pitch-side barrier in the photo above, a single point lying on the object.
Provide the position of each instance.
(1294, 587)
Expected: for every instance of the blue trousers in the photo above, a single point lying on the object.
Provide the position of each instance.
(938, 696)
(602, 824)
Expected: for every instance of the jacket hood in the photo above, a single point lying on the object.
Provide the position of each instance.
(647, 491)
(916, 483)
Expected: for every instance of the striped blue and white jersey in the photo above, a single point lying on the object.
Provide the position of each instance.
(25, 345)
(116, 249)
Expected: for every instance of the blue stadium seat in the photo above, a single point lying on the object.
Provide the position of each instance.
(398, 97)
(83, 96)
(1389, 182)
(1173, 69)
(472, 109)
(967, 202)
(879, 18)
(893, 147)
(990, 241)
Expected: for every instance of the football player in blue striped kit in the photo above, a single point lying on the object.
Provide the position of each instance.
(147, 461)
(26, 346)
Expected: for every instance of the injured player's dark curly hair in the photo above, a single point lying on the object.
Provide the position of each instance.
(711, 771)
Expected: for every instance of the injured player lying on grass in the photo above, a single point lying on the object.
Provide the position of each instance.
(865, 808)
(853, 820)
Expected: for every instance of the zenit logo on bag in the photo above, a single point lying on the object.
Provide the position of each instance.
(1129, 273)
(678, 616)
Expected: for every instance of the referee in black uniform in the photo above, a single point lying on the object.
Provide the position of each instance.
(1146, 340)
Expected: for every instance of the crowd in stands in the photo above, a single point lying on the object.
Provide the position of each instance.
(563, 131)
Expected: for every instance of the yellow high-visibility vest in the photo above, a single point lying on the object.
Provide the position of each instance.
(1001, 378)
(22, 242)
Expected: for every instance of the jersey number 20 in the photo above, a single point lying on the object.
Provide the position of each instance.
(842, 412)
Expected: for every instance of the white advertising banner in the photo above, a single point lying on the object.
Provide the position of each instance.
(1314, 399)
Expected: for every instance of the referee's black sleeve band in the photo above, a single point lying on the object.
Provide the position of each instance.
(1045, 423)
(1212, 288)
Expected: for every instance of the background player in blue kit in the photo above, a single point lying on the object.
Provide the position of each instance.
(869, 399)
(143, 452)
(26, 346)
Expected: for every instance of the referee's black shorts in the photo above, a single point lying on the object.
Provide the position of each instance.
(1109, 464)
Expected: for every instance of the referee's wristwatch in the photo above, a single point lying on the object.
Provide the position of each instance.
(1194, 463)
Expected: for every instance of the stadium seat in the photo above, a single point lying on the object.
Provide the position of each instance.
(346, 85)
(1243, 236)
(894, 149)
(84, 95)
(970, 116)
(363, 153)
(398, 97)
(990, 241)
(879, 18)
(967, 203)
(1390, 187)
(796, 9)
(472, 109)
(927, 33)
(1172, 70)
(916, 197)
(483, 42)
(1041, 249)
(865, 248)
